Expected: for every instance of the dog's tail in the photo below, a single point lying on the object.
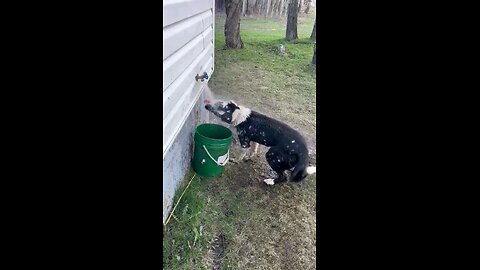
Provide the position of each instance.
(302, 169)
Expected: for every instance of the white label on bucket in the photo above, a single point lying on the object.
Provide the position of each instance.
(222, 159)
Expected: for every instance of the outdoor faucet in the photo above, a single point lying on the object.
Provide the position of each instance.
(203, 77)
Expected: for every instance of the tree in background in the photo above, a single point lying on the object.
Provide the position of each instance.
(220, 5)
(292, 19)
(233, 9)
(265, 8)
(314, 58)
(308, 3)
(307, 9)
(314, 31)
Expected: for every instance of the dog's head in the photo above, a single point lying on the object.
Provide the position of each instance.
(229, 112)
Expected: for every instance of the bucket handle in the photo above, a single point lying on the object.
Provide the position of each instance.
(216, 162)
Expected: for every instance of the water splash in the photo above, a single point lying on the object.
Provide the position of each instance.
(209, 96)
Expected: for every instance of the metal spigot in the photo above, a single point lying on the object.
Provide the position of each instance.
(203, 77)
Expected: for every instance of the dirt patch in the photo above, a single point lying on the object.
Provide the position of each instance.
(280, 101)
(274, 226)
(219, 245)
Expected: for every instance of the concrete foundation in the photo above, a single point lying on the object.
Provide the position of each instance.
(177, 160)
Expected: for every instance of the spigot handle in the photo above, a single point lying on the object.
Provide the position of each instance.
(203, 77)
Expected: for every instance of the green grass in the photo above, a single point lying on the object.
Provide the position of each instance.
(205, 211)
(261, 38)
(258, 69)
(185, 237)
(264, 227)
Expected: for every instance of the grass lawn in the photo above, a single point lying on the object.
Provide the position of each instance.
(235, 221)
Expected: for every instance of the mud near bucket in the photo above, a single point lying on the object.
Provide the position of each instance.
(211, 154)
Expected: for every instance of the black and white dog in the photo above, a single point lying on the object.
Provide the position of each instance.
(288, 149)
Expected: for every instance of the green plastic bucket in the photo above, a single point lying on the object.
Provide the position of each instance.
(211, 152)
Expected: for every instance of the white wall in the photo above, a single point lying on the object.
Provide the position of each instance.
(188, 50)
(188, 42)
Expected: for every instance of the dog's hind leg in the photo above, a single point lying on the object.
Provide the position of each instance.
(281, 178)
(275, 159)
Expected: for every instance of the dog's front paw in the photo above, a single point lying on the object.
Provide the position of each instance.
(269, 181)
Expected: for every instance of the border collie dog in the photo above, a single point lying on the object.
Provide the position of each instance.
(288, 150)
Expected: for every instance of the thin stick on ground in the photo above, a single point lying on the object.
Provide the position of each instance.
(178, 201)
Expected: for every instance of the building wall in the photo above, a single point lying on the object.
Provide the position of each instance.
(188, 50)
(178, 159)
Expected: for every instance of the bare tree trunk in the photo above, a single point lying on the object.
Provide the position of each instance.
(308, 7)
(221, 5)
(275, 8)
(291, 33)
(265, 8)
(314, 31)
(278, 6)
(232, 24)
(256, 8)
(314, 58)
(268, 8)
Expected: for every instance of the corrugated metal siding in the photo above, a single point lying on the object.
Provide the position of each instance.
(188, 51)
(178, 158)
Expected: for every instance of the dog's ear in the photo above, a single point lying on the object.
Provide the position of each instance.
(234, 104)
